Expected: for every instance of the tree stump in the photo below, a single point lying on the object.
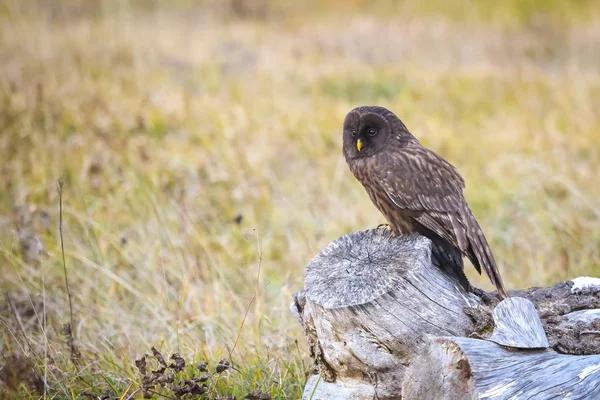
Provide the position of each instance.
(382, 322)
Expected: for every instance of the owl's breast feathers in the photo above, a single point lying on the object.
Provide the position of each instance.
(367, 171)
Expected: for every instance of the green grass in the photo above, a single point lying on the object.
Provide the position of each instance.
(167, 122)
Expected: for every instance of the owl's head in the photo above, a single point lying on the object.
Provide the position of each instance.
(367, 130)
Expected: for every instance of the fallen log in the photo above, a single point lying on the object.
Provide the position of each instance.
(463, 368)
(512, 363)
(379, 319)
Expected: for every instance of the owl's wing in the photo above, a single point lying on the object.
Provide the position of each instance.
(419, 180)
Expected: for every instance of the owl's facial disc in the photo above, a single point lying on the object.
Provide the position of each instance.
(366, 132)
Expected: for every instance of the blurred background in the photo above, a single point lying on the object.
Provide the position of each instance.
(199, 143)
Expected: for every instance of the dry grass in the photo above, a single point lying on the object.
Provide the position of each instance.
(167, 123)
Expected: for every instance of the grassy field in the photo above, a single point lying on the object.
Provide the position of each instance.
(199, 144)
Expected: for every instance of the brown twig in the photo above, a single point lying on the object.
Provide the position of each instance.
(74, 350)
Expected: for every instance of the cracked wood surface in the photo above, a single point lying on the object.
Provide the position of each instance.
(369, 303)
(382, 322)
(462, 368)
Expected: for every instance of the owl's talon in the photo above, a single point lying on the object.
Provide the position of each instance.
(386, 228)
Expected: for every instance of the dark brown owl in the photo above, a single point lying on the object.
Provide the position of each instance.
(416, 190)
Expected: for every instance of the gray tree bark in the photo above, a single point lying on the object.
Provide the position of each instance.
(379, 319)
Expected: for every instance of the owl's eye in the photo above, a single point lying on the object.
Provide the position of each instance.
(372, 132)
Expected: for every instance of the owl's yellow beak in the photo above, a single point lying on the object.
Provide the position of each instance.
(359, 144)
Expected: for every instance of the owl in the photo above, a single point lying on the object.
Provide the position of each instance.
(416, 190)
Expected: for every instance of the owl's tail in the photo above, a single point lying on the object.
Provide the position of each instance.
(481, 256)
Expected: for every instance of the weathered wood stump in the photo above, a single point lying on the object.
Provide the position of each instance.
(382, 322)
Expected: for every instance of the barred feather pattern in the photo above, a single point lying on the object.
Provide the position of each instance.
(419, 192)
